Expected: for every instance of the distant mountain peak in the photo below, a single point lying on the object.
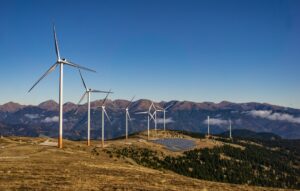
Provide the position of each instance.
(10, 107)
(50, 105)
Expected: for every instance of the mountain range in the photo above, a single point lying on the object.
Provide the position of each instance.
(41, 120)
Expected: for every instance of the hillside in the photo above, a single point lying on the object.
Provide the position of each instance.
(41, 120)
(35, 163)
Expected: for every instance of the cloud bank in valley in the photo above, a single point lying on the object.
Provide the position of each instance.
(216, 121)
(268, 114)
(50, 119)
(161, 120)
(32, 116)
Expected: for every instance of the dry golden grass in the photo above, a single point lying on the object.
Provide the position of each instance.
(27, 165)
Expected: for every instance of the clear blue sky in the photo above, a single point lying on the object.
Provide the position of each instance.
(201, 50)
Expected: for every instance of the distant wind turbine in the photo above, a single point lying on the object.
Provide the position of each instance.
(154, 114)
(150, 116)
(208, 126)
(230, 135)
(155, 117)
(106, 115)
(87, 93)
(164, 111)
(127, 117)
(59, 62)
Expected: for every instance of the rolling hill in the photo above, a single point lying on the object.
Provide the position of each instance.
(137, 164)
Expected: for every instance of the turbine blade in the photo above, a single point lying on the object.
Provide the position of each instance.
(172, 104)
(99, 91)
(150, 107)
(105, 98)
(82, 80)
(130, 102)
(76, 65)
(128, 116)
(56, 44)
(142, 112)
(44, 75)
(77, 110)
(159, 107)
(151, 115)
(83, 96)
(153, 106)
(107, 115)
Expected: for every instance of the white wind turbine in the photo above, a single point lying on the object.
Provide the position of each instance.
(59, 62)
(103, 120)
(87, 93)
(127, 117)
(155, 117)
(230, 135)
(208, 126)
(150, 116)
(164, 110)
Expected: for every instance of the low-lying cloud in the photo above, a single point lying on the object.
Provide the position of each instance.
(32, 116)
(50, 119)
(168, 120)
(268, 114)
(216, 121)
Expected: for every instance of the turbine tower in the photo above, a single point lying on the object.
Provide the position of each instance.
(230, 135)
(208, 126)
(127, 116)
(103, 120)
(155, 117)
(150, 116)
(164, 110)
(59, 62)
(87, 93)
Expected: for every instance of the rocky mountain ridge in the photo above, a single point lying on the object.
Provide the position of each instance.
(41, 120)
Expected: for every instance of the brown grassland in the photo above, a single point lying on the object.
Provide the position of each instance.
(25, 164)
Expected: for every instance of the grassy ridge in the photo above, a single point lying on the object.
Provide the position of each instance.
(252, 164)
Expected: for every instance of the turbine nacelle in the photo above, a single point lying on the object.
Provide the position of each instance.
(62, 61)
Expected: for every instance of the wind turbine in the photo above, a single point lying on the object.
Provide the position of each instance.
(155, 117)
(230, 135)
(164, 110)
(87, 93)
(59, 62)
(127, 116)
(103, 120)
(149, 115)
(208, 126)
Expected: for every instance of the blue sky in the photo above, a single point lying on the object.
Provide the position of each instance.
(201, 50)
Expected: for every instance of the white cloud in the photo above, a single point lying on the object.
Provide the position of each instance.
(216, 121)
(50, 119)
(32, 116)
(260, 113)
(268, 114)
(168, 120)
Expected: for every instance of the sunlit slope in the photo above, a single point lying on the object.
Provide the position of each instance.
(32, 163)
